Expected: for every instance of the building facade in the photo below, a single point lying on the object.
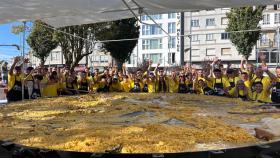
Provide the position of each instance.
(95, 60)
(268, 43)
(154, 44)
(208, 38)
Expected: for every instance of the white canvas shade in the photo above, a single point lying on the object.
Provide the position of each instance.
(75, 12)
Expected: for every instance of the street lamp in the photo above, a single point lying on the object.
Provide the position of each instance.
(10, 45)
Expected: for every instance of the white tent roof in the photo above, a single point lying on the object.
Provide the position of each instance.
(75, 12)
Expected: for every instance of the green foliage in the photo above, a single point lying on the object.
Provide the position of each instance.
(121, 29)
(75, 48)
(17, 29)
(41, 40)
(245, 18)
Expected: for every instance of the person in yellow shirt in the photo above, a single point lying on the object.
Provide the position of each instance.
(44, 82)
(126, 84)
(115, 85)
(260, 94)
(161, 85)
(15, 81)
(173, 82)
(241, 91)
(259, 77)
(205, 89)
(145, 84)
(136, 85)
(230, 75)
(151, 83)
(83, 83)
(245, 77)
(52, 86)
(103, 85)
(71, 84)
(275, 85)
(182, 87)
(220, 85)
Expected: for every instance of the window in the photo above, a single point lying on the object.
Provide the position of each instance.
(172, 27)
(266, 19)
(224, 21)
(226, 51)
(155, 17)
(210, 37)
(171, 15)
(155, 57)
(210, 52)
(225, 36)
(194, 38)
(210, 22)
(104, 58)
(195, 23)
(144, 17)
(277, 18)
(151, 44)
(55, 55)
(172, 42)
(171, 58)
(151, 29)
(264, 39)
(96, 58)
(195, 53)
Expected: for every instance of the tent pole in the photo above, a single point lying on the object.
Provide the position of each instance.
(190, 39)
(23, 52)
(278, 46)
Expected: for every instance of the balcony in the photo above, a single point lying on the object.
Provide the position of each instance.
(267, 43)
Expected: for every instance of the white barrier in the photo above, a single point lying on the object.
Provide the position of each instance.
(3, 99)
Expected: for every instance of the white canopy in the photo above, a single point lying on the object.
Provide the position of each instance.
(74, 12)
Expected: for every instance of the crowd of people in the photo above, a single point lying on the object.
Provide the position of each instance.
(247, 83)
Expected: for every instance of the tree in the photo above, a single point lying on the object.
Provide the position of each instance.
(244, 18)
(41, 40)
(121, 29)
(75, 42)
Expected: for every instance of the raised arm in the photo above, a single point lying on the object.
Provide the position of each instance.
(242, 67)
(16, 60)
(156, 69)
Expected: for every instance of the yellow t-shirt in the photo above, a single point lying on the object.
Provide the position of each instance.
(81, 81)
(51, 90)
(44, 85)
(248, 84)
(126, 86)
(173, 85)
(222, 80)
(12, 79)
(235, 79)
(241, 92)
(132, 84)
(263, 97)
(115, 87)
(265, 81)
(151, 86)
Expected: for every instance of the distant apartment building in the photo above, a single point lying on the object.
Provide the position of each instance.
(268, 43)
(209, 38)
(95, 60)
(154, 44)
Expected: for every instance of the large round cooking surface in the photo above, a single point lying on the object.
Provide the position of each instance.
(132, 123)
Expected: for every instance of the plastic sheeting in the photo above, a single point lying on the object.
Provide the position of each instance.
(74, 12)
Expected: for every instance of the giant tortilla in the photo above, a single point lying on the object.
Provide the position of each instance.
(131, 123)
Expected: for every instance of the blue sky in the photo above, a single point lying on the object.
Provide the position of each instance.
(8, 38)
